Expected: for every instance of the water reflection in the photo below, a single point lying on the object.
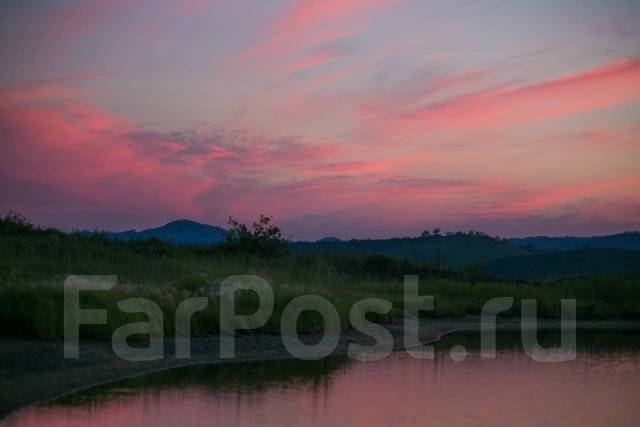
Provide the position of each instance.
(587, 341)
(599, 388)
(243, 378)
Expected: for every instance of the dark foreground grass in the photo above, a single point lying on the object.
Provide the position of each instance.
(35, 262)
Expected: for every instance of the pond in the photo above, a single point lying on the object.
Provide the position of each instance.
(601, 387)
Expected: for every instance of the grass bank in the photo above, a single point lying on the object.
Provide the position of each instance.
(34, 263)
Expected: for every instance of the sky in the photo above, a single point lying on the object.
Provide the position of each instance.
(346, 118)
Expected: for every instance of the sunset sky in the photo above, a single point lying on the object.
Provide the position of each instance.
(348, 118)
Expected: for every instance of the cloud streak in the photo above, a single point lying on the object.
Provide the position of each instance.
(501, 106)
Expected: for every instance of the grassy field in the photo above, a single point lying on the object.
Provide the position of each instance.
(34, 263)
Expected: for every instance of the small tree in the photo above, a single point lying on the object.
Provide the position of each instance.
(14, 223)
(264, 240)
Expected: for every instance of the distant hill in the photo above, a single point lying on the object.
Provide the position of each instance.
(516, 258)
(561, 264)
(628, 240)
(182, 232)
(449, 251)
(329, 239)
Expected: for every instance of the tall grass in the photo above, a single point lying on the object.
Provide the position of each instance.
(35, 262)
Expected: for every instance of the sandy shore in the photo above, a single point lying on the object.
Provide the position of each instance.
(32, 372)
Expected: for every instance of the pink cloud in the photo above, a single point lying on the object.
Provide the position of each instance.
(350, 167)
(405, 115)
(62, 156)
(43, 89)
(601, 87)
(318, 57)
(556, 197)
(302, 16)
(81, 151)
(304, 24)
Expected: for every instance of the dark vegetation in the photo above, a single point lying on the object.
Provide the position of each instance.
(628, 240)
(264, 240)
(442, 251)
(453, 250)
(34, 263)
(554, 265)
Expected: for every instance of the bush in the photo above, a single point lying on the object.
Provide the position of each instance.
(265, 240)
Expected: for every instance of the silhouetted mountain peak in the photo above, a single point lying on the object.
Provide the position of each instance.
(186, 224)
(181, 231)
(329, 239)
(183, 221)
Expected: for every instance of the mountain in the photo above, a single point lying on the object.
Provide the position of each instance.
(182, 232)
(453, 251)
(516, 258)
(448, 251)
(329, 239)
(566, 263)
(627, 240)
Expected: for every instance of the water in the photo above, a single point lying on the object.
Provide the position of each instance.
(600, 388)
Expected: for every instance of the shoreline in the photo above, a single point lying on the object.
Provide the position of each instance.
(33, 372)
